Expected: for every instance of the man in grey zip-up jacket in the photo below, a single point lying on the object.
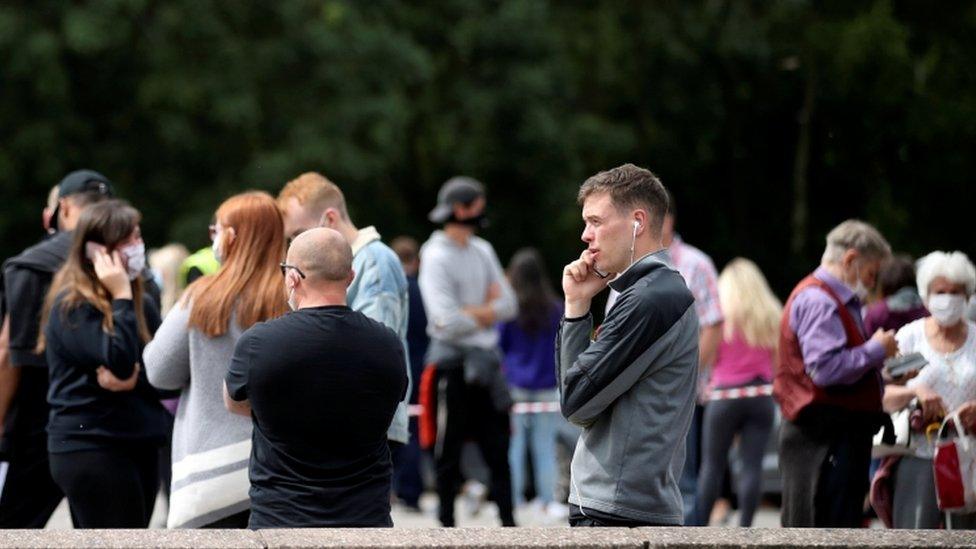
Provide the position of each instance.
(632, 388)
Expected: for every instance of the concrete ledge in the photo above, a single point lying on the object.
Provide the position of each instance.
(490, 538)
(790, 538)
(167, 539)
(443, 538)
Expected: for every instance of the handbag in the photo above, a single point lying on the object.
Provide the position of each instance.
(954, 468)
(895, 439)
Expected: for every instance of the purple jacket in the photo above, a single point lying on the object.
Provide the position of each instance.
(530, 359)
(815, 321)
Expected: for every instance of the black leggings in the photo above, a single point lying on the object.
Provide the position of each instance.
(752, 419)
(113, 487)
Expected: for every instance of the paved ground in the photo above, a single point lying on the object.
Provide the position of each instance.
(486, 516)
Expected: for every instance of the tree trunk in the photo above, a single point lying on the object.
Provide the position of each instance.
(801, 212)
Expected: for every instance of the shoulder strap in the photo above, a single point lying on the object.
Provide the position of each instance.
(854, 335)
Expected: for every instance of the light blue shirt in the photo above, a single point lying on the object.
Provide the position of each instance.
(380, 292)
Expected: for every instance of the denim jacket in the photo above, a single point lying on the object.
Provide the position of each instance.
(380, 292)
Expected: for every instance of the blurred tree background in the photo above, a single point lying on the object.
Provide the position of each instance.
(769, 121)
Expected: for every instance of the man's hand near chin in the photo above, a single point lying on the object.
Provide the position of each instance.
(581, 283)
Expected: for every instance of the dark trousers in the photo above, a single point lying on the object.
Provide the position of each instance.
(588, 518)
(825, 474)
(467, 411)
(111, 487)
(28, 494)
(407, 481)
(235, 521)
(752, 420)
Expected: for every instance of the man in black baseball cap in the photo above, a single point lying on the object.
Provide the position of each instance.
(28, 495)
(465, 293)
(85, 187)
(463, 191)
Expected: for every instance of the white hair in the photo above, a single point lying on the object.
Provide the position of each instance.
(857, 235)
(953, 266)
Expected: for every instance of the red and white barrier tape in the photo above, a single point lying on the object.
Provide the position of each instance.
(518, 408)
(741, 392)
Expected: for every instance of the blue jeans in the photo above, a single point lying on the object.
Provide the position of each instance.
(538, 432)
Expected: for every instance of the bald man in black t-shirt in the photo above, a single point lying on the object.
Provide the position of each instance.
(321, 384)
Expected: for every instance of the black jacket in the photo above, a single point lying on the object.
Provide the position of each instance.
(83, 415)
(26, 278)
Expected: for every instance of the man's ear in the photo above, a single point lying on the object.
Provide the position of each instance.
(64, 210)
(640, 217)
(849, 257)
(350, 277)
(291, 279)
(329, 219)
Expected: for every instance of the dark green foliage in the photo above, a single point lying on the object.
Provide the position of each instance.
(184, 103)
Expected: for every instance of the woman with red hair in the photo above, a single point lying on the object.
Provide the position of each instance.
(192, 349)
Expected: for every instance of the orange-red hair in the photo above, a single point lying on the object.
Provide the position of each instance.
(249, 280)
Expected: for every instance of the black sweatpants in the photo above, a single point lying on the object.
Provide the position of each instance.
(28, 495)
(112, 487)
(752, 420)
(466, 411)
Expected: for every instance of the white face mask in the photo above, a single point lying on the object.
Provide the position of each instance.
(218, 255)
(134, 256)
(947, 309)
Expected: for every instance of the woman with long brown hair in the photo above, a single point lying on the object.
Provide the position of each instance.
(192, 350)
(106, 422)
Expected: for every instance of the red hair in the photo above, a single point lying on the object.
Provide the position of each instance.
(249, 281)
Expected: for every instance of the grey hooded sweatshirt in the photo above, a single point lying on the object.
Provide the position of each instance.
(632, 389)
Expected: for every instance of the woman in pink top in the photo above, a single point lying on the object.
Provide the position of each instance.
(745, 358)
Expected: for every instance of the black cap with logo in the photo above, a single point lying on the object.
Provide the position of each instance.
(81, 181)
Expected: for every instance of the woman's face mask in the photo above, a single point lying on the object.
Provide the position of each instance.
(134, 257)
(947, 309)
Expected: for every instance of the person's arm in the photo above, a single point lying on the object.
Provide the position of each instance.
(896, 397)
(967, 414)
(592, 375)
(504, 304)
(239, 407)
(823, 342)
(167, 356)
(25, 292)
(9, 376)
(235, 383)
(379, 300)
(444, 309)
(88, 342)
(703, 284)
(708, 339)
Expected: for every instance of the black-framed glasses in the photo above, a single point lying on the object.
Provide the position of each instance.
(284, 268)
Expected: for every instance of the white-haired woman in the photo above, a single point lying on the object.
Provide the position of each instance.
(745, 358)
(946, 280)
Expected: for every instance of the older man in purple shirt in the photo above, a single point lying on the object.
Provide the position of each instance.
(815, 319)
(829, 384)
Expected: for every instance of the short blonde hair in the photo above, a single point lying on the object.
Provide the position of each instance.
(855, 234)
(953, 266)
(748, 304)
(315, 193)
